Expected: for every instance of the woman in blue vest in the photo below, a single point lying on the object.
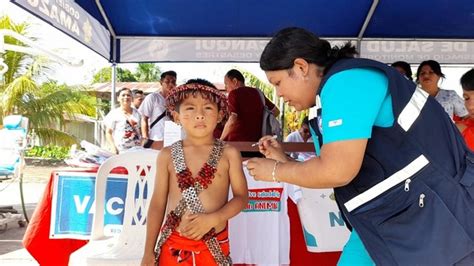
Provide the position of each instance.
(402, 175)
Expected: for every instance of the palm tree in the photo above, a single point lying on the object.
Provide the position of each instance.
(45, 105)
(105, 75)
(147, 72)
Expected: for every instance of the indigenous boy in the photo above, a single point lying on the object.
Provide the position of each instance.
(192, 185)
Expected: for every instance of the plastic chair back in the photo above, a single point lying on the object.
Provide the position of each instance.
(141, 167)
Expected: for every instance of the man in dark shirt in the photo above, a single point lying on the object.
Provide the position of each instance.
(246, 109)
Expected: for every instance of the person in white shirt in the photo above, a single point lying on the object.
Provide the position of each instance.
(123, 124)
(301, 135)
(153, 110)
(138, 97)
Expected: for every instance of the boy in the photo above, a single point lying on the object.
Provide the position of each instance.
(192, 183)
(466, 126)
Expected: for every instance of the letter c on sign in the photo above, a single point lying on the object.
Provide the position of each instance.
(110, 206)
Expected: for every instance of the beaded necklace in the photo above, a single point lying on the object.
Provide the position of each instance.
(190, 188)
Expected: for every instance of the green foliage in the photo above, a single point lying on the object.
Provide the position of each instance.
(255, 82)
(46, 105)
(49, 151)
(105, 74)
(293, 119)
(17, 62)
(147, 72)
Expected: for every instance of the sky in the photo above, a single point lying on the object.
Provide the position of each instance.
(60, 43)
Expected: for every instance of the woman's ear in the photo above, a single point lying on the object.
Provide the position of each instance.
(302, 66)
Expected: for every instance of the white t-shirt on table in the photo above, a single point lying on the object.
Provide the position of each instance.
(260, 234)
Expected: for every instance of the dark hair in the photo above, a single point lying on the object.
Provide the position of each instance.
(123, 89)
(204, 82)
(168, 73)
(467, 80)
(235, 74)
(182, 92)
(406, 68)
(136, 91)
(305, 121)
(291, 43)
(434, 65)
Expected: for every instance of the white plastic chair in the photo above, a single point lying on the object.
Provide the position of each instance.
(126, 248)
(13, 143)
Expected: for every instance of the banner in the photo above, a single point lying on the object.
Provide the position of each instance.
(323, 227)
(70, 18)
(73, 200)
(182, 49)
(414, 52)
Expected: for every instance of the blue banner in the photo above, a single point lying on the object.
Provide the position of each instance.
(73, 199)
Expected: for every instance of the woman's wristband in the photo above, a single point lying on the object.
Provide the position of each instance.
(274, 172)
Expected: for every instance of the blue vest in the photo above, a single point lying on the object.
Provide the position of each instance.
(412, 201)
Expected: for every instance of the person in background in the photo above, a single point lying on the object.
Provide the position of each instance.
(301, 135)
(154, 112)
(428, 75)
(246, 109)
(466, 126)
(400, 170)
(137, 98)
(123, 124)
(404, 69)
(190, 205)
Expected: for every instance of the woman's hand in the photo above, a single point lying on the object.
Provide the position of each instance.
(271, 149)
(261, 169)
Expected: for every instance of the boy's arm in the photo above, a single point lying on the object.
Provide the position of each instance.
(157, 208)
(200, 224)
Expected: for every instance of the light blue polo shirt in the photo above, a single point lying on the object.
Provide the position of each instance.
(353, 101)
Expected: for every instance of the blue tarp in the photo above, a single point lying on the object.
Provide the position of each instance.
(166, 30)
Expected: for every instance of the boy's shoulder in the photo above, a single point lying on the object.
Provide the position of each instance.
(231, 151)
(165, 152)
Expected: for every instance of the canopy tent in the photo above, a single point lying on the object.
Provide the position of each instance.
(237, 30)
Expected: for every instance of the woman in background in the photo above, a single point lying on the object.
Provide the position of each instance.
(428, 76)
(123, 124)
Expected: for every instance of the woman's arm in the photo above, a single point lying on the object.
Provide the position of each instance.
(110, 139)
(337, 165)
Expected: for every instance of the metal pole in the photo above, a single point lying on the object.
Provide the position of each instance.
(112, 90)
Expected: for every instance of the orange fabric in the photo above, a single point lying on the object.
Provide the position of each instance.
(468, 133)
(178, 247)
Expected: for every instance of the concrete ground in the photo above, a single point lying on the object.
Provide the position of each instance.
(12, 251)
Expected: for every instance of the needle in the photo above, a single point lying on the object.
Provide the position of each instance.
(258, 143)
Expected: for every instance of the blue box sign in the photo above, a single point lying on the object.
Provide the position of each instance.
(73, 200)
